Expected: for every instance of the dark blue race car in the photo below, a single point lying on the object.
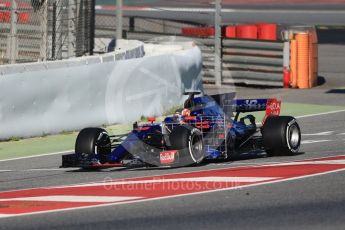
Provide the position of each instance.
(207, 128)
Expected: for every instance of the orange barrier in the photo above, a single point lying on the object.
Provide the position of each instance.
(303, 60)
(230, 32)
(293, 63)
(267, 31)
(313, 59)
(247, 31)
(198, 31)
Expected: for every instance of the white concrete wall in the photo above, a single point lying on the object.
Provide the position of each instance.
(47, 98)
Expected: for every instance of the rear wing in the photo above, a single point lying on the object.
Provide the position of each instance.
(272, 106)
(250, 105)
(228, 104)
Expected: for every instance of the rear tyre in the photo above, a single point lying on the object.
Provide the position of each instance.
(189, 143)
(93, 142)
(281, 136)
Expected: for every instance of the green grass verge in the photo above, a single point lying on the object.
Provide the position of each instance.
(64, 142)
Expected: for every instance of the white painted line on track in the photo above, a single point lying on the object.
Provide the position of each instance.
(327, 133)
(40, 155)
(52, 169)
(39, 170)
(321, 114)
(91, 199)
(193, 179)
(314, 141)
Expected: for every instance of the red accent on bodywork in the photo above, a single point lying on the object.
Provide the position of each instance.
(190, 118)
(151, 119)
(145, 128)
(203, 125)
(221, 136)
(272, 108)
(168, 157)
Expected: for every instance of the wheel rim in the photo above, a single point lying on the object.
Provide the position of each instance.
(103, 147)
(197, 148)
(294, 137)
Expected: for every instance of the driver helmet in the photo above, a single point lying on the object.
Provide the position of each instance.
(186, 112)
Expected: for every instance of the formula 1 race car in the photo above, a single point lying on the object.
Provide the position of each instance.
(208, 127)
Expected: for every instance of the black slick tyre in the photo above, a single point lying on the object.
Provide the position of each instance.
(189, 143)
(281, 135)
(93, 142)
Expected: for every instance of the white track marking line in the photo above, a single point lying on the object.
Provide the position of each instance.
(176, 196)
(39, 170)
(92, 199)
(321, 114)
(332, 162)
(52, 169)
(192, 179)
(327, 133)
(35, 156)
(314, 141)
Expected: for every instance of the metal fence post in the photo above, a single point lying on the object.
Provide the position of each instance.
(44, 32)
(72, 15)
(12, 41)
(59, 28)
(119, 19)
(218, 44)
(286, 51)
(92, 27)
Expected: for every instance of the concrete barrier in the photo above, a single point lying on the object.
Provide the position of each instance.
(51, 97)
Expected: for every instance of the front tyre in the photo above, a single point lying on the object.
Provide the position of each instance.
(281, 135)
(189, 143)
(94, 143)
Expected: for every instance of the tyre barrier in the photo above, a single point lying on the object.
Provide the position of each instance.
(199, 31)
(247, 32)
(267, 31)
(230, 32)
(5, 13)
(260, 31)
